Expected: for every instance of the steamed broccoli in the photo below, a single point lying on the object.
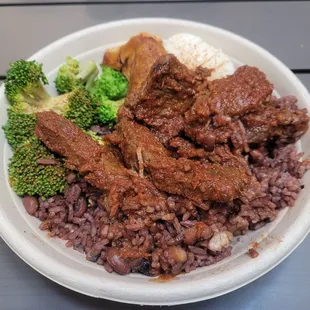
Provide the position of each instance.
(25, 90)
(76, 106)
(109, 84)
(19, 127)
(72, 75)
(107, 111)
(28, 177)
(107, 92)
(25, 82)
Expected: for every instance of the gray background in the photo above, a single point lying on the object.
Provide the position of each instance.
(282, 27)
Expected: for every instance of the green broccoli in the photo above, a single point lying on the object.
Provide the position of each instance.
(25, 82)
(107, 111)
(110, 83)
(108, 91)
(28, 177)
(76, 106)
(19, 127)
(24, 88)
(72, 75)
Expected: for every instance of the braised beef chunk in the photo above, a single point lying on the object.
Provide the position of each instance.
(168, 129)
(213, 118)
(209, 135)
(98, 163)
(82, 152)
(277, 119)
(237, 94)
(242, 92)
(167, 93)
(182, 176)
(174, 98)
(59, 135)
(198, 182)
(187, 149)
(137, 143)
(281, 118)
(223, 155)
(220, 154)
(199, 111)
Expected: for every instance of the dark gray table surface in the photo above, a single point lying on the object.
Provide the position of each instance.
(282, 27)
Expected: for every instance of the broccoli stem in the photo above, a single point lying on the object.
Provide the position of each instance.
(37, 96)
(90, 71)
(91, 80)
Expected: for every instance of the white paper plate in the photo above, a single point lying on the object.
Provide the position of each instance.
(70, 269)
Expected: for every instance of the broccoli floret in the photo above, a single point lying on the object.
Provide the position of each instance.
(25, 82)
(76, 106)
(107, 111)
(111, 84)
(72, 75)
(28, 177)
(19, 127)
(108, 91)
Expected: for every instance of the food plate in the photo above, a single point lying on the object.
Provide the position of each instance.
(70, 269)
